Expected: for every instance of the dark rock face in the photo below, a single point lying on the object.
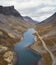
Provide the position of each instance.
(9, 10)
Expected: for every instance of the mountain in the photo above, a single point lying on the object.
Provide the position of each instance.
(48, 23)
(12, 27)
(12, 24)
(45, 38)
(51, 19)
(9, 10)
(11, 20)
(30, 20)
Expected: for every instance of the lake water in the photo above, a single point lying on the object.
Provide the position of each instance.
(24, 55)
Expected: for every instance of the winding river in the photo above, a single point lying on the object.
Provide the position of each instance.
(24, 55)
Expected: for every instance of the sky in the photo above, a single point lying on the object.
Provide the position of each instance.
(36, 9)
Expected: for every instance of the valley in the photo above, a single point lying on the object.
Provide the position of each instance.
(24, 38)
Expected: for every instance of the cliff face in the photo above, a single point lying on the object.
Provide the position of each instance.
(9, 10)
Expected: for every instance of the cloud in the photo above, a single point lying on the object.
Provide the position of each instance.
(37, 9)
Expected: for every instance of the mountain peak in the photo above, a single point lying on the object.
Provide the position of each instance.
(10, 7)
(9, 10)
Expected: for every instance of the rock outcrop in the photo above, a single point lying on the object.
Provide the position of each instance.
(9, 10)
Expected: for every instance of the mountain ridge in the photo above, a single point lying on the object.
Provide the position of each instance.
(52, 17)
(29, 19)
(9, 10)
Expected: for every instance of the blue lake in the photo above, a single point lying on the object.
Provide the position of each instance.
(24, 55)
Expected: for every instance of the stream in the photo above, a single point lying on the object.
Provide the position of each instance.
(24, 55)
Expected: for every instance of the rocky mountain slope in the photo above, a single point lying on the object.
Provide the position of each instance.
(45, 40)
(9, 10)
(12, 27)
(30, 20)
(12, 22)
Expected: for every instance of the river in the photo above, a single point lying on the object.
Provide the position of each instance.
(24, 55)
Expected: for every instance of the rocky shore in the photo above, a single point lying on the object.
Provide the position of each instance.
(40, 62)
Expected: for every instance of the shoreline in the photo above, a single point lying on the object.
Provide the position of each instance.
(40, 61)
(33, 50)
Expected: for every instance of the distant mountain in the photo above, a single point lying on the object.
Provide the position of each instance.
(30, 20)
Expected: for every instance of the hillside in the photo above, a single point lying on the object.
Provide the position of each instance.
(47, 25)
(12, 27)
(30, 20)
(45, 40)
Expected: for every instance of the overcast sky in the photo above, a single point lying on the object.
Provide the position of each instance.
(36, 9)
